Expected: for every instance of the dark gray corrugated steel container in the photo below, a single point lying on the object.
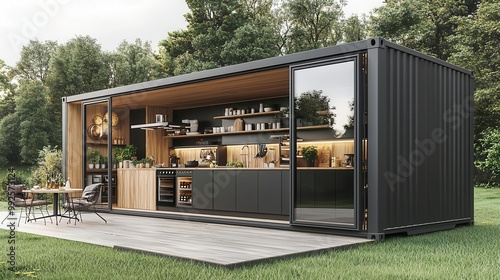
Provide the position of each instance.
(420, 134)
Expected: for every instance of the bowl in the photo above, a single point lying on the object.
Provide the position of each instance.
(268, 109)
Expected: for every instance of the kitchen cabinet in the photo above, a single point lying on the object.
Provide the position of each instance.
(270, 192)
(344, 190)
(285, 192)
(137, 188)
(224, 182)
(324, 188)
(247, 198)
(203, 189)
(304, 197)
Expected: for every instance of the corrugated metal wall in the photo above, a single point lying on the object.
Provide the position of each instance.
(424, 148)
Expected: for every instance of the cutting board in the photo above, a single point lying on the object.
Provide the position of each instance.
(324, 157)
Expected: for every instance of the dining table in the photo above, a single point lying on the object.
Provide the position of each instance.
(55, 194)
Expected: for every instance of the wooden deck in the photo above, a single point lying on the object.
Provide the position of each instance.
(223, 245)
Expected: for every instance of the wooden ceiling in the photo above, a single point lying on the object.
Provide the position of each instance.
(252, 86)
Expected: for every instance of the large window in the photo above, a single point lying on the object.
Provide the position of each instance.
(324, 112)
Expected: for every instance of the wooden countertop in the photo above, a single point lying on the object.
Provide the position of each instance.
(242, 168)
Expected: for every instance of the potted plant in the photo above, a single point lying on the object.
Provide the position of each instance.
(129, 152)
(310, 153)
(93, 157)
(49, 166)
(103, 161)
(118, 154)
(126, 153)
(114, 160)
(149, 161)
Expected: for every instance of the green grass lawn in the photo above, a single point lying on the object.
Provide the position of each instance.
(462, 253)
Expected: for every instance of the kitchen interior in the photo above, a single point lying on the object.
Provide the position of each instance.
(230, 156)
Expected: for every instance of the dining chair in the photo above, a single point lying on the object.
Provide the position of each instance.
(86, 202)
(21, 200)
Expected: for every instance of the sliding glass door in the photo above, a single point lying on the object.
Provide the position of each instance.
(325, 141)
(98, 168)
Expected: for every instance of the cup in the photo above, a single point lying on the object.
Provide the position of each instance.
(159, 118)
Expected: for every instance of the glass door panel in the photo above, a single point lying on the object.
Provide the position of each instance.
(97, 149)
(324, 133)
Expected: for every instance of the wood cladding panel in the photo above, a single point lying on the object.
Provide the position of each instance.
(237, 153)
(251, 86)
(328, 150)
(156, 145)
(136, 188)
(74, 144)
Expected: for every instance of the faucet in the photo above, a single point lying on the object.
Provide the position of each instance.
(247, 162)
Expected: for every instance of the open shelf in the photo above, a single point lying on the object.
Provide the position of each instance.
(245, 132)
(248, 115)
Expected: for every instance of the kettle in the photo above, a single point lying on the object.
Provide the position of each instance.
(174, 161)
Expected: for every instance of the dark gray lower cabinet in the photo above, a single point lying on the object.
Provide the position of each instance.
(304, 198)
(285, 192)
(203, 189)
(324, 188)
(344, 191)
(251, 191)
(270, 192)
(224, 182)
(247, 189)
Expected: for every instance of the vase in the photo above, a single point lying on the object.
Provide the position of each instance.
(310, 162)
(91, 166)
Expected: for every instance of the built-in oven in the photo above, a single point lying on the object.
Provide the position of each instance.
(184, 185)
(166, 188)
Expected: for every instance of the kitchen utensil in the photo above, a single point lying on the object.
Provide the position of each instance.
(210, 155)
(238, 124)
(192, 163)
(204, 153)
(174, 161)
(262, 150)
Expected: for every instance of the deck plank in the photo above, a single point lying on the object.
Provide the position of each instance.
(219, 244)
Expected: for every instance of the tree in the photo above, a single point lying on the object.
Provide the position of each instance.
(34, 127)
(254, 40)
(76, 67)
(9, 144)
(133, 63)
(476, 47)
(35, 60)
(314, 23)
(424, 25)
(7, 91)
(219, 33)
(488, 161)
(177, 44)
(354, 29)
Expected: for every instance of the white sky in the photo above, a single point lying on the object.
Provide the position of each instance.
(108, 21)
